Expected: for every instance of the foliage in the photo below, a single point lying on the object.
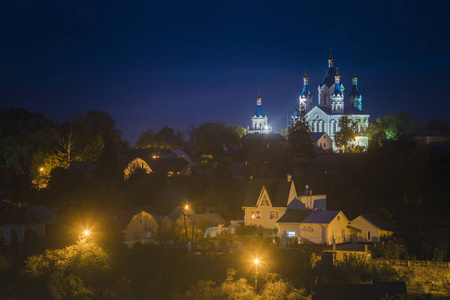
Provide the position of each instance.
(433, 280)
(278, 289)
(214, 138)
(347, 132)
(391, 127)
(80, 271)
(239, 289)
(391, 249)
(164, 139)
(300, 140)
(25, 141)
(357, 270)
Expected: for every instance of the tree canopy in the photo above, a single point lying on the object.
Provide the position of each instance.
(300, 140)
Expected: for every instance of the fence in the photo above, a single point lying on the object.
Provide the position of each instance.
(410, 263)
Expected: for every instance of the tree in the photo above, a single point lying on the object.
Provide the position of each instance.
(392, 127)
(79, 271)
(25, 140)
(300, 140)
(213, 138)
(347, 132)
(146, 139)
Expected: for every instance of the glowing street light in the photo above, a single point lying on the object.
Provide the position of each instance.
(86, 233)
(186, 207)
(256, 262)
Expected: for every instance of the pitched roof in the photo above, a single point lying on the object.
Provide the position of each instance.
(40, 210)
(321, 216)
(378, 221)
(278, 190)
(178, 212)
(317, 135)
(214, 219)
(294, 216)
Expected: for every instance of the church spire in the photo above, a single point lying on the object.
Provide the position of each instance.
(258, 99)
(331, 60)
(355, 98)
(305, 90)
(337, 83)
(305, 99)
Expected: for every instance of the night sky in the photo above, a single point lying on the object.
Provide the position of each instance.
(152, 63)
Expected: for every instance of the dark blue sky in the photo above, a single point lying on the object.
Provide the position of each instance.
(150, 63)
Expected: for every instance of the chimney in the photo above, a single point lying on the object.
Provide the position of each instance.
(289, 177)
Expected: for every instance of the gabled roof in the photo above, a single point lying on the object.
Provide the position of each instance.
(321, 216)
(294, 216)
(178, 212)
(378, 221)
(317, 135)
(277, 189)
(214, 219)
(40, 210)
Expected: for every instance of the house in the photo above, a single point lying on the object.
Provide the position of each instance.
(266, 201)
(20, 225)
(324, 227)
(213, 222)
(322, 141)
(43, 214)
(289, 223)
(168, 165)
(139, 225)
(370, 228)
(143, 228)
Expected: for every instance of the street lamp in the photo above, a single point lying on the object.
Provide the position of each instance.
(256, 262)
(39, 177)
(86, 233)
(186, 207)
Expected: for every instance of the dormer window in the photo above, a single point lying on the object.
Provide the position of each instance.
(264, 201)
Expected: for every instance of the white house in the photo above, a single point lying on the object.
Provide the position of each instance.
(266, 201)
(370, 228)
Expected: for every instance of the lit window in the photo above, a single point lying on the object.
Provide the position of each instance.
(148, 235)
(273, 215)
(291, 234)
(256, 215)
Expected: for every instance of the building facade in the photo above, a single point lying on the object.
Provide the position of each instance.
(324, 117)
(260, 122)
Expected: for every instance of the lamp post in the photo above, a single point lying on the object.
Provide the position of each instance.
(185, 225)
(256, 262)
(39, 177)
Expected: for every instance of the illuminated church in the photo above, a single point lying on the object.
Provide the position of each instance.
(260, 122)
(330, 108)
